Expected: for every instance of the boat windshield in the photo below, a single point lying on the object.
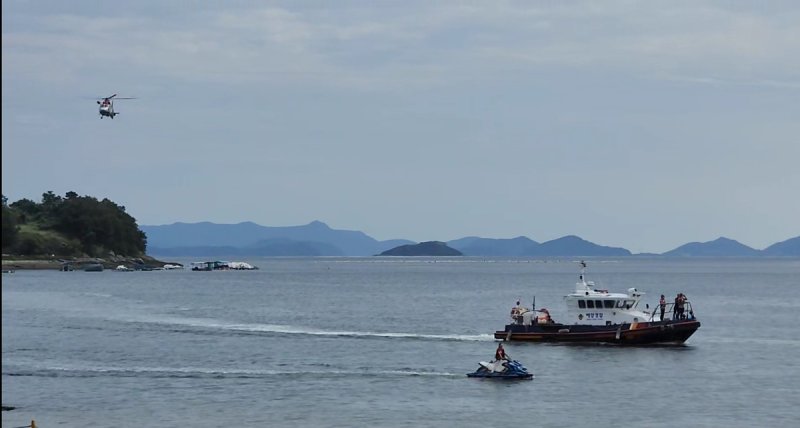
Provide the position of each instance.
(627, 304)
(599, 304)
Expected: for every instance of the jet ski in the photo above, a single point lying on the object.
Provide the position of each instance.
(501, 369)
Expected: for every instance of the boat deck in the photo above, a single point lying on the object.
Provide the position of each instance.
(659, 332)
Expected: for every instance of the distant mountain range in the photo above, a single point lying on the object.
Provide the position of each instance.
(248, 238)
(317, 239)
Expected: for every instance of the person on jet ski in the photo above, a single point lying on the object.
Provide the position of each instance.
(500, 353)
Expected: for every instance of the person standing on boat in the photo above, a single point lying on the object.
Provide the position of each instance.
(663, 304)
(517, 311)
(500, 353)
(681, 302)
(675, 312)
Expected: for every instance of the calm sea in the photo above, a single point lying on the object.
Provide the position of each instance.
(341, 342)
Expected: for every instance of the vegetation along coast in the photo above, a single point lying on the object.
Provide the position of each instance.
(70, 232)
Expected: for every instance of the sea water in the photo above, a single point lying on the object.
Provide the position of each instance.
(341, 342)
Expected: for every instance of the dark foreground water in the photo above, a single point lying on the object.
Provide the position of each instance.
(325, 342)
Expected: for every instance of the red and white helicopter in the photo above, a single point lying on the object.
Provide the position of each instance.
(107, 105)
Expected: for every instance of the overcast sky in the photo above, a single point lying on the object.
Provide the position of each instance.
(643, 125)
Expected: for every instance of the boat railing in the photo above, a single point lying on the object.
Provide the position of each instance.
(670, 312)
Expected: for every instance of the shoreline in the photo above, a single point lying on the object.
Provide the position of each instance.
(52, 263)
(31, 265)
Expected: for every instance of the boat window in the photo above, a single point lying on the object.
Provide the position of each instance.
(608, 303)
(590, 304)
(598, 304)
(627, 304)
(581, 304)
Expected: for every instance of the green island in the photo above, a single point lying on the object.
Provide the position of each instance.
(71, 232)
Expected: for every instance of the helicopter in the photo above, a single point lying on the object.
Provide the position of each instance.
(107, 105)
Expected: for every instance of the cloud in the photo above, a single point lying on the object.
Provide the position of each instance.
(729, 82)
(388, 44)
(512, 104)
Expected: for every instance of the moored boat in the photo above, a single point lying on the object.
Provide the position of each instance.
(221, 265)
(598, 316)
(209, 266)
(93, 267)
(171, 266)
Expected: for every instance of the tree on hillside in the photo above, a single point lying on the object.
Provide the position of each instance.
(102, 224)
(49, 208)
(10, 228)
(97, 226)
(27, 210)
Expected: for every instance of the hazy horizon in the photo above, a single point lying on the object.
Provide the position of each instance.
(628, 123)
(607, 244)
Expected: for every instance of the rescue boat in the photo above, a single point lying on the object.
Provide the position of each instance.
(598, 316)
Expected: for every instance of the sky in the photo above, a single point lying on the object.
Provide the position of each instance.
(636, 124)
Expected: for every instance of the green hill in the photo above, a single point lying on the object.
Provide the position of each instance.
(70, 227)
(430, 248)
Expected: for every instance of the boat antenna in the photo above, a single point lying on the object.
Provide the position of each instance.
(533, 309)
(583, 271)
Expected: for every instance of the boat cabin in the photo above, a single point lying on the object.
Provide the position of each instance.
(210, 265)
(589, 305)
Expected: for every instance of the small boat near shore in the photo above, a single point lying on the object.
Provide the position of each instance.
(93, 267)
(221, 265)
(598, 316)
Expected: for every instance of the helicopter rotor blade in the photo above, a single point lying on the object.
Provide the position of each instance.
(112, 97)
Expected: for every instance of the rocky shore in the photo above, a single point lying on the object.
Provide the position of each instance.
(54, 263)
